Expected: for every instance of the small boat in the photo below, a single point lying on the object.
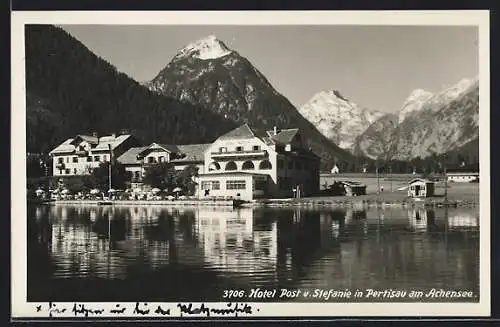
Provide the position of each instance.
(41, 201)
(104, 203)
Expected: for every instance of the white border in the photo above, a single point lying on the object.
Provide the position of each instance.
(20, 308)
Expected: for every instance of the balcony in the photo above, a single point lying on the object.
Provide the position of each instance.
(239, 154)
(81, 153)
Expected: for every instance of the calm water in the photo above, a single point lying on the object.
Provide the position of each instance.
(138, 253)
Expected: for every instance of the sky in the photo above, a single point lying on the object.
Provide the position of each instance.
(376, 67)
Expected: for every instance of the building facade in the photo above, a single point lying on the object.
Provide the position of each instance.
(463, 177)
(137, 159)
(248, 164)
(81, 154)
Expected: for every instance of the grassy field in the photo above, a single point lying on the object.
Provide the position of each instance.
(468, 192)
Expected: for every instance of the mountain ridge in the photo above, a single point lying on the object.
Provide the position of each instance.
(231, 86)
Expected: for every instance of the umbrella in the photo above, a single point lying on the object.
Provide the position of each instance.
(111, 190)
(165, 190)
(39, 191)
(177, 189)
(155, 190)
(65, 191)
(137, 190)
(95, 191)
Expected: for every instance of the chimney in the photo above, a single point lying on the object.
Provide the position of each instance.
(114, 135)
(275, 130)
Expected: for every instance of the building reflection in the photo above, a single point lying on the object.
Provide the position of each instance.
(339, 248)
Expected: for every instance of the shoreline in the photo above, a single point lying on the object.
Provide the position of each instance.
(287, 202)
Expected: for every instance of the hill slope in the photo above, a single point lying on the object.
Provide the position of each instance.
(70, 90)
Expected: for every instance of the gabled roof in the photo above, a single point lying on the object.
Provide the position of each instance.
(103, 143)
(167, 147)
(65, 147)
(130, 156)
(284, 136)
(242, 132)
(87, 138)
(191, 152)
(420, 180)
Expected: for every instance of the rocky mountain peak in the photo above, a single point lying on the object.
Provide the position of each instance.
(209, 47)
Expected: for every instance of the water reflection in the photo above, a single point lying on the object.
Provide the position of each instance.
(194, 253)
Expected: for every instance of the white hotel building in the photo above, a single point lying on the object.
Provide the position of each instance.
(243, 163)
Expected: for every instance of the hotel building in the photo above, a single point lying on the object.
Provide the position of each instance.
(248, 164)
(81, 154)
(243, 163)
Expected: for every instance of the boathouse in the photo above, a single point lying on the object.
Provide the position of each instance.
(348, 188)
(420, 188)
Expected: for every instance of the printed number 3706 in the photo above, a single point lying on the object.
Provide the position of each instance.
(233, 294)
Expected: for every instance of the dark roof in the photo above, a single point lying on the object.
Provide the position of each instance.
(420, 180)
(191, 152)
(169, 147)
(242, 132)
(88, 138)
(352, 184)
(284, 136)
(130, 156)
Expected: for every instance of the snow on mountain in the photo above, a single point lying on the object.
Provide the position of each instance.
(339, 119)
(227, 83)
(422, 100)
(413, 103)
(427, 124)
(207, 48)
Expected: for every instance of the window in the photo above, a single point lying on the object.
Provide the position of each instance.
(97, 158)
(60, 160)
(89, 159)
(75, 159)
(290, 164)
(247, 165)
(161, 159)
(210, 185)
(105, 158)
(75, 171)
(239, 148)
(67, 159)
(235, 185)
(151, 160)
(214, 166)
(231, 165)
(256, 148)
(81, 148)
(67, 171)
(222, 149)
(265, 164)
(280, 163)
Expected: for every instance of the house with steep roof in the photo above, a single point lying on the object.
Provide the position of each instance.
(136, 159)
(82, 153)
(246, 163)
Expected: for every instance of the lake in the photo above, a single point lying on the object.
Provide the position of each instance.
(153, 253)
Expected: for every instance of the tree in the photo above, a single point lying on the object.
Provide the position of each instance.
(161, 175)
(99, 177)
(185, 179)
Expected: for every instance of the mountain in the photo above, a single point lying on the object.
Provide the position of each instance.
(339, 119)
(427, 124)
(70, 90)
(209, 74)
